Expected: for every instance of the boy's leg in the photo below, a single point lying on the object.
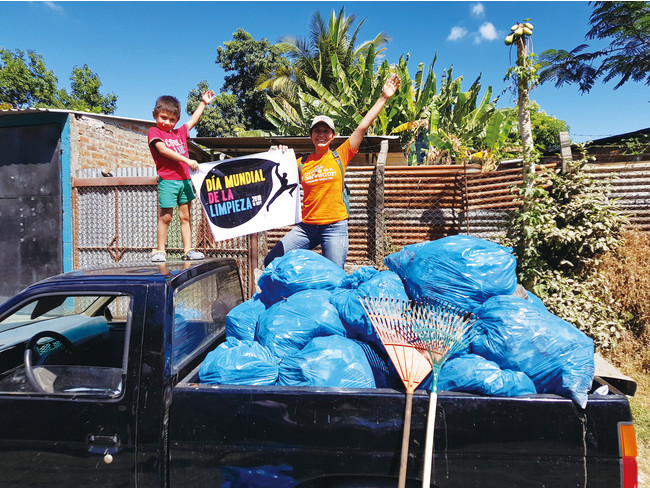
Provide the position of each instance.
(334, 242)
(185, 197)
(185, 216)
(164, 219)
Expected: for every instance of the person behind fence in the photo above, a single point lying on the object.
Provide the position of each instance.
(169, 150)
(324, 213)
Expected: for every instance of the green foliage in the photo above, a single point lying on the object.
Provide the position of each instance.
(85, 96)
(26, 82)
(546, 129)
(247, 60)
(356, 90)
(566, 223)
(311, 57)
(625, 26)
(222, 117)
(240, 107)
(580, 302)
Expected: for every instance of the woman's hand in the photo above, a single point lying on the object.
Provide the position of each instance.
(391, 86)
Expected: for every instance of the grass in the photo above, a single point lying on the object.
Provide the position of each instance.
(626, 275)
(640, 405)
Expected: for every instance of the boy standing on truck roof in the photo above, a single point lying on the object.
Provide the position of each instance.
(169, 150)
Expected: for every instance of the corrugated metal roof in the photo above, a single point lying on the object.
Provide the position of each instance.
(36, 110)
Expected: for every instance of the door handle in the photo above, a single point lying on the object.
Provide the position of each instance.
(103, 444)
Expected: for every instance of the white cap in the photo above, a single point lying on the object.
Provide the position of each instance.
(322, 118)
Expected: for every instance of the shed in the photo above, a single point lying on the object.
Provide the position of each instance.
(40, 151)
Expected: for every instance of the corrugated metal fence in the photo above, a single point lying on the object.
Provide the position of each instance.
(399, 205)
(115, 218)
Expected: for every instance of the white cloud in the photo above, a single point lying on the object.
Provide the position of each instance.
(477, 9)
(487, 32)
(456, 33)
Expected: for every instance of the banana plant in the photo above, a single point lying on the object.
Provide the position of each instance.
(413, 103)
(457, 121)
(357, 89)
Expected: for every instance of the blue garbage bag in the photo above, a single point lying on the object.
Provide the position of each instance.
(189, 331)
(328, 361)
(358, 276)
(346, 301)
(474, 374)
(297, 270)
(462, 269)
(236, 362)
(286, 327)
(241, 321)
(258, 477)
(523, 336)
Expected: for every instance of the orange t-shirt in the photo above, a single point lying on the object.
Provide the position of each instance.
(322, 186)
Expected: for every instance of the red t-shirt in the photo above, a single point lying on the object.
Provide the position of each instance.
(176, 140)
(322, 185)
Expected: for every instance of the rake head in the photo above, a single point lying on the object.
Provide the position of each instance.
(443, 327)
(406, 350)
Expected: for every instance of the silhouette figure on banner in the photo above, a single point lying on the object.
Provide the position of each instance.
(284, 186)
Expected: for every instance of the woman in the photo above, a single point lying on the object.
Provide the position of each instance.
(324, 215)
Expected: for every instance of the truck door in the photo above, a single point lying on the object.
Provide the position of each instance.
(69, 374)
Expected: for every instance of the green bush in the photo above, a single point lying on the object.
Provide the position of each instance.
(565, 224)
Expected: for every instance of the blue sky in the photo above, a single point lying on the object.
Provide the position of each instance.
(144, 49)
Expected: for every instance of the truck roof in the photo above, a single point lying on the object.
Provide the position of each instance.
(139, 271)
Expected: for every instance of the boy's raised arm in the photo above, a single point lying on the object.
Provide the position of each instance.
(206, 98)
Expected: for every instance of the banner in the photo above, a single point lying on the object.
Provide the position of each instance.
(249, 194)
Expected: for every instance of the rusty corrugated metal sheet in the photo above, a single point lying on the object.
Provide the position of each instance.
(631, 185)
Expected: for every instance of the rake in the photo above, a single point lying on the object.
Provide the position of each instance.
(445, 329)
(407, 352)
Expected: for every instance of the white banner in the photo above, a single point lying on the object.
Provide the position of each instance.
(249, 194)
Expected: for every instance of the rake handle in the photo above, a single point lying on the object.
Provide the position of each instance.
(405, 440)
(428, 446)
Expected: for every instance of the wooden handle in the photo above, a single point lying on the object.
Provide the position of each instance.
(405, 440)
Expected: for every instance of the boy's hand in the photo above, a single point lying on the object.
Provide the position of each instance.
(208, 96)
(193, 164)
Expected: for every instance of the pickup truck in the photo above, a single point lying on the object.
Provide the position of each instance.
(99, 386)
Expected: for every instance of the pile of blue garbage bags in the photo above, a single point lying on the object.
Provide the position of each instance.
(307, 327)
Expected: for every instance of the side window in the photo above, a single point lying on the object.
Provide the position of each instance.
(200, 310)
(66, 345)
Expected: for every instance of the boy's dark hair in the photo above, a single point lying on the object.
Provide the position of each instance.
(168, 104)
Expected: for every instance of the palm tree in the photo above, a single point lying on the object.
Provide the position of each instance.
(311, 57)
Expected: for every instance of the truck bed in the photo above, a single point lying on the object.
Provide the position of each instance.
(352, 437)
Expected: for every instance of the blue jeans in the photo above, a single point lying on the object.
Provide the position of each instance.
(333, 239)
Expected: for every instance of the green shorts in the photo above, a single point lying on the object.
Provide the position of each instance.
(172, 193)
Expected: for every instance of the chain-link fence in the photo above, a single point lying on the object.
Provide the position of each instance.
(395, 206)
(116, 221)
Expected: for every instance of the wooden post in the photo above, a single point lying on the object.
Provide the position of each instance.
(380, 222)
(565, 150)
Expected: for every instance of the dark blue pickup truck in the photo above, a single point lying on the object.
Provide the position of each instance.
(99, 387)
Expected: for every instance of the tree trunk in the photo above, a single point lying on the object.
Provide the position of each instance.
(525, 128)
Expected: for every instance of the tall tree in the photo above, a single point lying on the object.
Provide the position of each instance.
(626, 28)
(223, 117)
(240, 105)
(311, 57)
(25, 81)
(84, 94)
(525, 75)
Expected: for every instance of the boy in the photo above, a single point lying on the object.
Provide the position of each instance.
(169, 150)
